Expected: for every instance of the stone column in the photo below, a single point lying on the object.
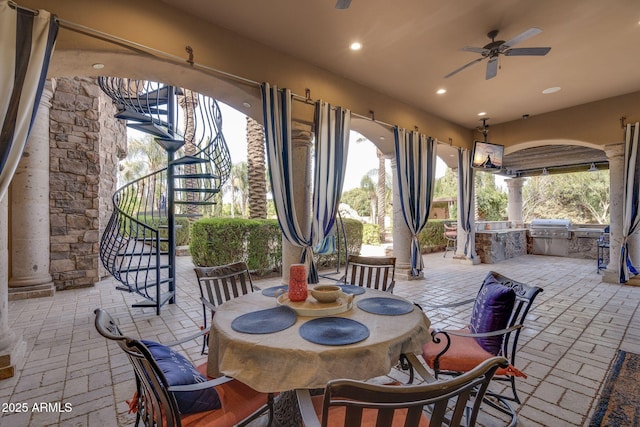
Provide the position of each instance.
(30, 229)
(615, 155)
(514, 206)
(302, 192)
(12, 346)
(401, 234)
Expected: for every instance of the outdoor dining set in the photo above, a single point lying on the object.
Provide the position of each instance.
(302, 354)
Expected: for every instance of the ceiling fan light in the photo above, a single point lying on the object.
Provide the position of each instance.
(593, 168)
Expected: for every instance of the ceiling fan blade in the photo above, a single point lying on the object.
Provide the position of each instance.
(480, 50)
(343, 4)
(524, 51)
(520, 37)
(456, 71)
(492, 68)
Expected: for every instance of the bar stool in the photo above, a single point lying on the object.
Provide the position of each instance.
(603, 249)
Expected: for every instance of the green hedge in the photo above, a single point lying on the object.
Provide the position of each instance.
(218, 241)
(370, 234)
(432, 236)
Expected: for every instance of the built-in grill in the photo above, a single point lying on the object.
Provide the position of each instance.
(550, 236)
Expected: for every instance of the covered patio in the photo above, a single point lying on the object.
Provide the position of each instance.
(574, 330)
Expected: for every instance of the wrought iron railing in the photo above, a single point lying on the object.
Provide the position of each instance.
(138, 245)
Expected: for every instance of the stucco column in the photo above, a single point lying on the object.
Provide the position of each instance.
(30, 231)
(301, 146)
(401, 233)
(514, 201)
(12, 346)
(615, 155)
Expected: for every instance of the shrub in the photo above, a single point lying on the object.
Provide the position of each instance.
(432, 236)
(370, 234)
(218, 241)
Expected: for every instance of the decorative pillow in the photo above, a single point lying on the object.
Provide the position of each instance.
(178, 370)
(491, 312)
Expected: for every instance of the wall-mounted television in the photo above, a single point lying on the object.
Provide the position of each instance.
(487, 156)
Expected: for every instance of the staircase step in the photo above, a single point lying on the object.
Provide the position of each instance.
(198, 190)
(150, 303)
(133, 270)
(195, 203)
(152, 99)
(129, 114)
(195, 176)
(189, 215)
(169, 143)
(149, 239)
(152, 129)
(189, 160)
(134, 253)
(142, 286)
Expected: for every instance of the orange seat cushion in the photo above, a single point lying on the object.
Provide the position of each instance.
(463, 355)
(337, 415)
(238, 402)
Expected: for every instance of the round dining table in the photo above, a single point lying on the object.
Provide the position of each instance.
(284, 360)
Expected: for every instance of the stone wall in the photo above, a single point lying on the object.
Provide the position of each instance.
(81, 181)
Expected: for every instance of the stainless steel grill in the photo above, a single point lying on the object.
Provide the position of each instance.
(550, 236)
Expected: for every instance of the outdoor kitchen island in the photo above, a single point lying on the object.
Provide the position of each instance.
(496, 241)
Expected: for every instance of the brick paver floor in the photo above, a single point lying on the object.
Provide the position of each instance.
(574, 330)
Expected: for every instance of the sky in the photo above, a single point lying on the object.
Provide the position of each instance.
(361, 158)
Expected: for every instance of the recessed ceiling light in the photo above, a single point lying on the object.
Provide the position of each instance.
(356, 46)
(441, 91)
(382, 138)
(551, 90)
(482, 113)
(246, 104)
(98, 66)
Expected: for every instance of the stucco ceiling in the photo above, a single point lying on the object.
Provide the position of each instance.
(410, 45)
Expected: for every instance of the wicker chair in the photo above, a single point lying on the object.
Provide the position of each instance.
(353, 403)
(371, 272)
(157, 403)
(220, 284)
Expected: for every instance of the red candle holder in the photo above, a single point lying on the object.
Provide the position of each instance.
(298, 282)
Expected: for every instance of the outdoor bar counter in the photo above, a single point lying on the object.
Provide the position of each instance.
(496, 241)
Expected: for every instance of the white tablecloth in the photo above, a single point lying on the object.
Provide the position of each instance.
(285, 361)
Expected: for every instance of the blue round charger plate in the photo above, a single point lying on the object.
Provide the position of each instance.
(265, 321)
(271, 292)
(334, 331)
(385, 306)
(352, 289)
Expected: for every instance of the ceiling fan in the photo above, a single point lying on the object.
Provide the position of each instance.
(496, 48)
(343, 4)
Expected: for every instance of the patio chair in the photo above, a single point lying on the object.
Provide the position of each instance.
(170, 391)
(371, 272)
(498, 316)
(451, 237)
(220, 284)
(355, 403)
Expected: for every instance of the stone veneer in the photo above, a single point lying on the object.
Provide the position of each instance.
(86, 143)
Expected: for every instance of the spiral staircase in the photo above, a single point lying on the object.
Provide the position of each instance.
(138, 246)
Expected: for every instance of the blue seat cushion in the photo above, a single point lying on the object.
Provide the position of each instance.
(491, 312)
(178, 370)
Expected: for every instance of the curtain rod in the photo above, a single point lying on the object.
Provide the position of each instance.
(146, 50)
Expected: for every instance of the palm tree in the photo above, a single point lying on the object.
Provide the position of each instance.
(257, 183)
(367, 184)
(188, 101)
(381, 193)
(237, 187)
